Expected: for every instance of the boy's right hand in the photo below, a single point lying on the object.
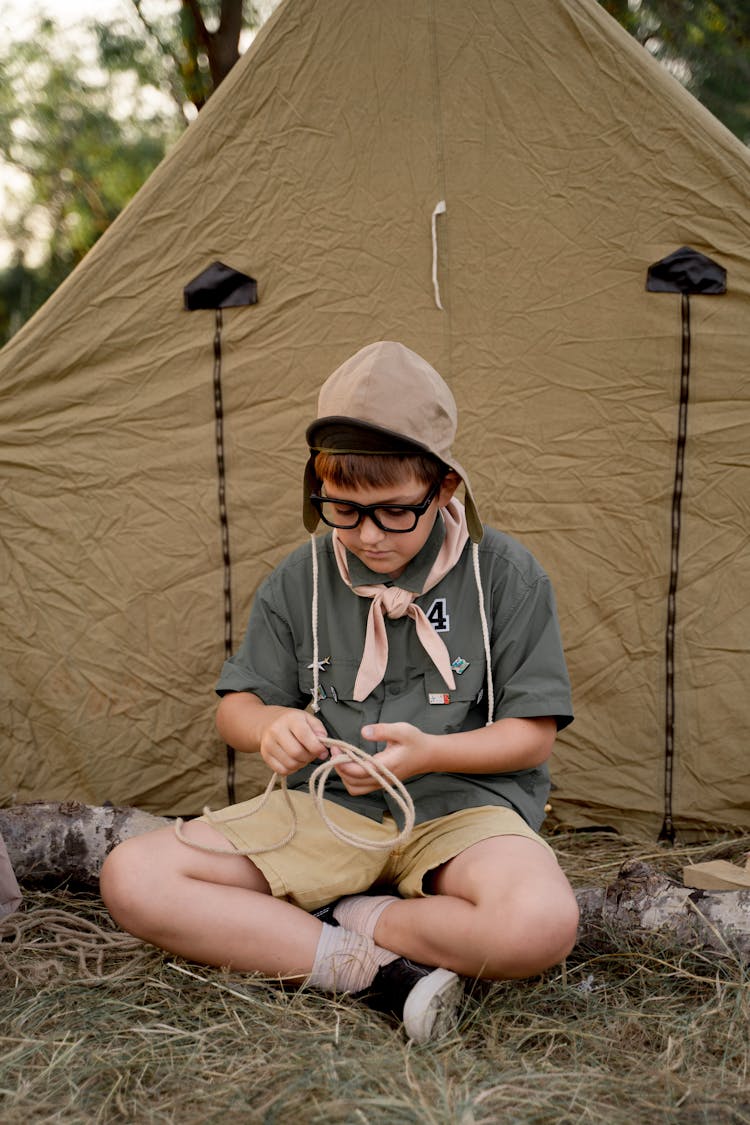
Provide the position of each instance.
(291, 740)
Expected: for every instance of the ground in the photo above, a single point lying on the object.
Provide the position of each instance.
(95, 1026)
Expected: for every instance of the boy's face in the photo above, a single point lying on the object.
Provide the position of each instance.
(388, 553)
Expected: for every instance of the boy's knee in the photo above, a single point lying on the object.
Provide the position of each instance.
(534, 933)
(122, 883)
(565, 928)
(551, 928)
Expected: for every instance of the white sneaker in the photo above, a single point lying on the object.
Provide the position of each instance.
(426, 1000)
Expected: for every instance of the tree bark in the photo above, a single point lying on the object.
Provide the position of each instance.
(50, 841)
(222, 45)
(68, 840)
(643, 901)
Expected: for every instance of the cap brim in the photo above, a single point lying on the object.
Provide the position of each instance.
(344, 435)
(473, 522)
(310, 517)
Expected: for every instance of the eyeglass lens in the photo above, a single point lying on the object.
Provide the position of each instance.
(339, 514)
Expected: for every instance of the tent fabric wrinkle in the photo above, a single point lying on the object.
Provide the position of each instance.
(569, 162)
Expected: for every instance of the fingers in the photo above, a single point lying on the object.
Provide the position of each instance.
(291, 741)
(408, 750)
(352, 771)
(357, 781)
(388, 732)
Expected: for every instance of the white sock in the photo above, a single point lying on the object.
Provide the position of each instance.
(361, 912)
(346, 961)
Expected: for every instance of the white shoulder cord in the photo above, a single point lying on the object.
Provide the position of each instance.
(316, 646)
(440, 209)
(485, 636)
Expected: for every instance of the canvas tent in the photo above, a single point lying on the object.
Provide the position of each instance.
(568, 163)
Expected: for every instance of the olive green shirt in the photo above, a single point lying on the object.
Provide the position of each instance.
(528, 667)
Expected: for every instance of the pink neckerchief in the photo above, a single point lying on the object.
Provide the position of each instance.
(393, 601)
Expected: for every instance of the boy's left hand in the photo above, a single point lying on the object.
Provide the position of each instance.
(407, 752)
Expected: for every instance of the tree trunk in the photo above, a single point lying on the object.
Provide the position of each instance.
(644, 901)
(70, 840)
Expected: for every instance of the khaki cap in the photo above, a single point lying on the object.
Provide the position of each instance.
(385, 399)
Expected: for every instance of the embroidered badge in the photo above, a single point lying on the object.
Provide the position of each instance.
(438, 697)
(459, 665)
(321, 664)
(438, 616)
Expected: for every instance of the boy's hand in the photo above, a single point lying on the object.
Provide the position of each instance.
(292, 740)
(407, 753)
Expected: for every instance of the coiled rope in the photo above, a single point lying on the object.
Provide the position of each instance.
(317, 782)
(388, 780)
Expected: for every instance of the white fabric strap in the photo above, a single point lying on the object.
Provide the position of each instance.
(346, 961)
(440, 209)
(485, 636)
(314, 611)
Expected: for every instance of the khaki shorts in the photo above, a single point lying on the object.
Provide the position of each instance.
(315, 867)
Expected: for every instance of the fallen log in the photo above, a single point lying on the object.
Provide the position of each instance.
(644, 901)
(48, 841)
(57, 841)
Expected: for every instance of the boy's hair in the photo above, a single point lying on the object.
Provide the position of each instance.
(385, 399)
(378, 470)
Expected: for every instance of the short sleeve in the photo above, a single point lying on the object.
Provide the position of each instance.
(266, 662)
(528, 663)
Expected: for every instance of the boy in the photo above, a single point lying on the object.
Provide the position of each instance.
(427, 640)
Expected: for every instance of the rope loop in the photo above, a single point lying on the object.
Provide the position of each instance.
(345, 752)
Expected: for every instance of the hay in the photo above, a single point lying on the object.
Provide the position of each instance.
(97, 1027)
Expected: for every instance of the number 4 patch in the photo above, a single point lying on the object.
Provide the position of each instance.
(438, 616)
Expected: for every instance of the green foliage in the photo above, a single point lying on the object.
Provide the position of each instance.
(86, 141)
(706, 44)
(86, 133)
(199, 44)
(125, 51)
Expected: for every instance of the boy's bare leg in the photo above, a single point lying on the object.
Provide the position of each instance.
(216, 909)
(502, 909)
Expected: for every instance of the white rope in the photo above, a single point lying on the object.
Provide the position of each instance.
(440, 209)
(388, 781)
(485, 636)
(316, 646)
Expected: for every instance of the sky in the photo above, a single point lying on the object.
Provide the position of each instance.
(17, 14)
(14, 14)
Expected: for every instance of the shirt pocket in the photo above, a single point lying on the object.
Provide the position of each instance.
(341, 713)
(464, 707)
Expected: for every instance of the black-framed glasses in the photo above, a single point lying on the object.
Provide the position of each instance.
(397, 518)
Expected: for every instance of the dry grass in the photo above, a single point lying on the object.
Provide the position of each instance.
(96, 1027)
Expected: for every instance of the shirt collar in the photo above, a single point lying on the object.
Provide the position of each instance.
(414, 574)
